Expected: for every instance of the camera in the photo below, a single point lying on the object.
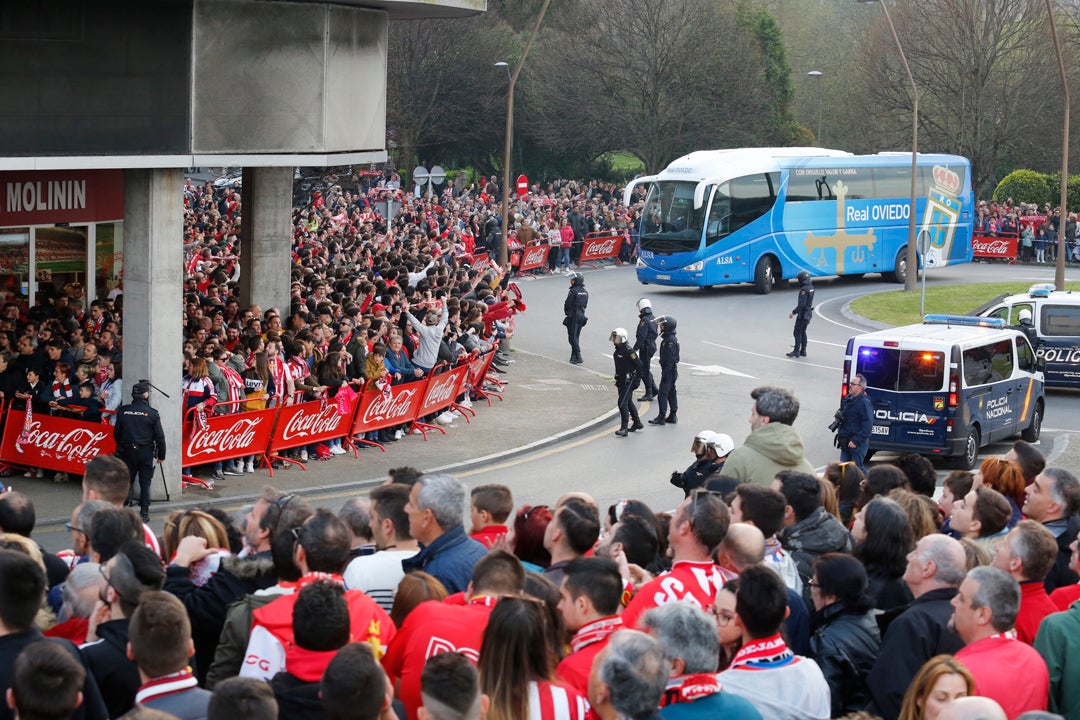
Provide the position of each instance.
(838, 420)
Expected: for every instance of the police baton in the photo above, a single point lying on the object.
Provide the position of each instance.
(162, 469)
(160, 391)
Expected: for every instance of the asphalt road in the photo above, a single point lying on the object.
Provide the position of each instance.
(732, 340)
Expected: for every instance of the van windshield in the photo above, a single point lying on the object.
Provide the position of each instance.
(902, 370)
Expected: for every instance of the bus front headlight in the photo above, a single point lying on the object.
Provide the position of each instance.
(696, 267)
(641, 263)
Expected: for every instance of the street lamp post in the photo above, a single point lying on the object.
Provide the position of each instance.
(911, 260)
(1059, 270)
(816, 74)
(503, 259)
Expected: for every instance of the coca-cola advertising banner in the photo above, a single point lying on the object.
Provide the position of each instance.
(442, 389)
(535, 257)
(985, 246)
(600, 247)
(228, 436)
(54, 443)
(309, 423)
(378, 410)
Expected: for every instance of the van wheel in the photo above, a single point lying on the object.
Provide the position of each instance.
(765, 274)
(1031, 433)
(967, 460)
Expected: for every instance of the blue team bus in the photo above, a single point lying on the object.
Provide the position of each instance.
(761, 215)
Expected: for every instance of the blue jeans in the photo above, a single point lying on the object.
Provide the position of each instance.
(856, 454)
(564, 258)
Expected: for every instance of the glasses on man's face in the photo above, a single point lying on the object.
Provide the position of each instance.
(73, 528)
(281, 503)
(813, 584)
(108, 582)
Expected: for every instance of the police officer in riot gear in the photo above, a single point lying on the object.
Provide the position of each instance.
(1026, 326)
(802, 313)
(139, 439)
(645, 346)
(667, 401)
(627, 377)
(574, 309)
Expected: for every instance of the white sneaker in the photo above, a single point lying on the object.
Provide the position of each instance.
(251, 466)
(398, 434)
(303, 456)
(445, 419)
(455, 414)
(337, 450)
(466, 402)
(417, 431)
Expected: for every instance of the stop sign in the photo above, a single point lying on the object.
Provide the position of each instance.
(522, 185)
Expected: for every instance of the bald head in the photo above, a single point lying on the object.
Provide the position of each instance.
(972, 708)
(744, 546)
(586, 497)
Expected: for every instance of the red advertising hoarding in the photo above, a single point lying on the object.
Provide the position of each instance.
(1002, 247)
(227, 437)
(54, 443)
(536, 256)
(378, 410)
(308, 423)
(600, 246)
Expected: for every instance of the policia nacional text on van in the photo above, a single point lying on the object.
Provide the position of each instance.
(949, 386)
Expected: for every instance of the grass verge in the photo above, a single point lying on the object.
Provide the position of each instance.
(901, 308)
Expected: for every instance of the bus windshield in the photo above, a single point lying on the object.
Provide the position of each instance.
(670, 222)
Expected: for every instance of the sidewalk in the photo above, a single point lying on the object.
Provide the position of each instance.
(544, 401)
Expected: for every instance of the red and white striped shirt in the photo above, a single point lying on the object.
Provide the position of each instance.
(551, 701)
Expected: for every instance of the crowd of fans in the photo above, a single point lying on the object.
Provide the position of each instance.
(373, 298)
(1036, 230)
(768, 592)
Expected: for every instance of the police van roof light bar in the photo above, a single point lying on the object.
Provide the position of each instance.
(1041, 290)
(964, 320)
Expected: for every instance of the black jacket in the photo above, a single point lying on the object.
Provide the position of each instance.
(694, 476)
(92, 707)
(845, 645)
(138, 426)
(858, 420)
(816, 534)
(1065, 530)
(297, 700)
(669, 350)
(627, 364)
(915, 636)
(647, 332)
(208, 604)
(805, 308)
(576, 302)
(117, 677)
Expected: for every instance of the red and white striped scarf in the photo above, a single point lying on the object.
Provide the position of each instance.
(63, 389)
(235, 384)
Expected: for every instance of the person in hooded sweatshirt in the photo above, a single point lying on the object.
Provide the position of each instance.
(773, 445)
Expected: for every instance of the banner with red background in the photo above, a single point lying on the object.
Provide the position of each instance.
(535, 256)
(378, 410)
(54, 443)
(442, 389)
(227, 437)
(1002, 247)
(600, 246)
(308, 423)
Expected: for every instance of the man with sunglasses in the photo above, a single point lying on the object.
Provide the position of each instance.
(853, 435)
(130, 573)
(251, 571)
(697, 528)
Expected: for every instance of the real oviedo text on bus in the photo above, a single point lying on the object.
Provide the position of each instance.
(761, 215)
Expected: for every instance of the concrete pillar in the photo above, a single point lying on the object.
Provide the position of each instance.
(266, 262)
(153, 273)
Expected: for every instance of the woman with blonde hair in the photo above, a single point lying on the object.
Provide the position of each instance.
(196, 523)
(939, 681)
(924, 515)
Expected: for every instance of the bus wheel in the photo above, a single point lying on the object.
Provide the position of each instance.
(967, 460)
(765, 275)
(1031, 433)
(899, 271)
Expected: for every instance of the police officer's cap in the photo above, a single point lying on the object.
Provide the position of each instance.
(140, 390)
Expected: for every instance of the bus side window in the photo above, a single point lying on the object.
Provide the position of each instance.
(719, 223)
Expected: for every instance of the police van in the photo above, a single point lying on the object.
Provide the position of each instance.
(1055, 315)
(949, 386)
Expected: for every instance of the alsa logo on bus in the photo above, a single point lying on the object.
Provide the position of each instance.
(905, 416)
(892, 211)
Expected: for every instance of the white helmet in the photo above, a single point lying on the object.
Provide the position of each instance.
(619, 333)
(1024, 315)
(644, 303)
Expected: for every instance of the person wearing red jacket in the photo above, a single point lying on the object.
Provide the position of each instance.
(591, 598)
(1027, 553)
(434, 627)
(321, 553)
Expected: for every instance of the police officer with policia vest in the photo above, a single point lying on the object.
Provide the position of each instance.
(627, 377)
(802, 313)
(139, 438)
(645, 346)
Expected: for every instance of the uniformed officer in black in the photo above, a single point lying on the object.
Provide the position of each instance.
(1024, 325)
(667, 401)
(627, 377)
(139, 439)
(645, 346)
(574, 309)
(802, 314)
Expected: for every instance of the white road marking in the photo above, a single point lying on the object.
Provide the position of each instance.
(822, 342)
(817, 312)
(771, 357)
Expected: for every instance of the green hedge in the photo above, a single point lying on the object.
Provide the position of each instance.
(1029, 186)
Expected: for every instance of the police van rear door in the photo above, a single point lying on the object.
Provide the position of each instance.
(907, 383)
